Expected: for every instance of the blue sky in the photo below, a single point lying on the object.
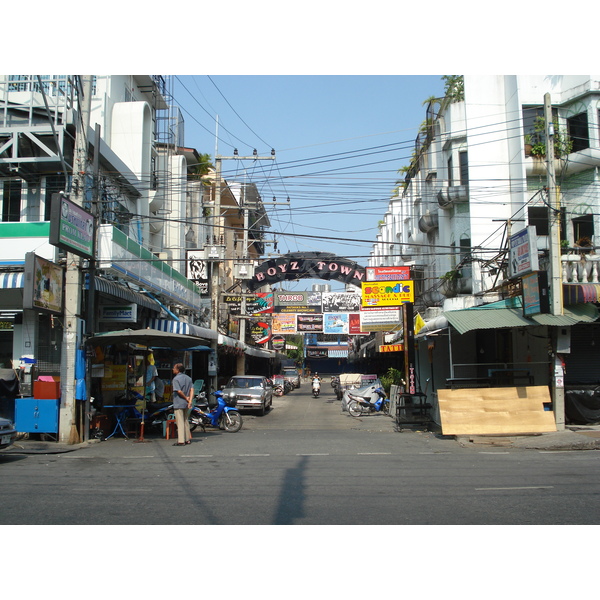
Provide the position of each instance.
(339, 142)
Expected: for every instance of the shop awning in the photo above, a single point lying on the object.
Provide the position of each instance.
(493, 317)
(182, 328)
(11, 281)
(112, 288)
(574, 293)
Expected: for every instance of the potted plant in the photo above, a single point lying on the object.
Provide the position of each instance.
(450, 283)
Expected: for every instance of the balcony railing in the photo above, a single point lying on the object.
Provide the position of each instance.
(580, 268)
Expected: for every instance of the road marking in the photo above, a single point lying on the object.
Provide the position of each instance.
(254, 455)
(197, 455)
(373, 453)
(316, 454)
(535, 487)
(494, 453)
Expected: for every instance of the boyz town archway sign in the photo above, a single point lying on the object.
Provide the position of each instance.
(302, 265)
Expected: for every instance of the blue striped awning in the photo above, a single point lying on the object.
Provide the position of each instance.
(337, 353)
(11, 281)
(181, 327)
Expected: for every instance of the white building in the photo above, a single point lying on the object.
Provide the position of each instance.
(474, 181)
(148, 212)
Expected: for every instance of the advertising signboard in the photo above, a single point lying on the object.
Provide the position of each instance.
(335, 323)
(380, 320)
(307, 323)
(391, 293)
(43, 284)
(523, 258)
(284, 324)
(388, 273)
(536, 299)
(71, 227)
(197, 270)
(341, 302)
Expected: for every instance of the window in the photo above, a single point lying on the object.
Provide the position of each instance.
(464, 168)
(11, 202)
(577, 127)
(54, 184)
(450, 178)
(583, 227)
(538, 217)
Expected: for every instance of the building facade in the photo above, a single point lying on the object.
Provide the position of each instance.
(478, 176)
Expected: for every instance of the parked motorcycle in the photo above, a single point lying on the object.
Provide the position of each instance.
(335, 382)
(359, 405)
(316, 388)
(223, 416)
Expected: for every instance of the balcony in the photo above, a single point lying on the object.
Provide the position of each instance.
(428, 222)
(450, 195)
(580, 268)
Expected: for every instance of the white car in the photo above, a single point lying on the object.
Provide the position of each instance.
(8, 434)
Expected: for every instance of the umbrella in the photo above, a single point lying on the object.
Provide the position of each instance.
(151, 338)
(147, 337)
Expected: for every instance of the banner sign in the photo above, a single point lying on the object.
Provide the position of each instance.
(354, 324)
(277, 343)
(341, 302)
(71, 227)
(335, 323)
(380, 320)
(260, 332)
(261, 304)
(388, 273)
(317, 353)
(391, 348)
(43, 283)
(536, 297)
(299, 265)
(297, 302)
(523, 256)
(198, 270)
(284, 324)
(392, 293)
(306, 323)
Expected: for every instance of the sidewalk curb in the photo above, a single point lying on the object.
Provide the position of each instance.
(38, 447)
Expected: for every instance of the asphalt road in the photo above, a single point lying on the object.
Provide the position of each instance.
(305, 462)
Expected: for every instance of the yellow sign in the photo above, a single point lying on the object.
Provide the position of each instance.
(387, 293)
(391, 348)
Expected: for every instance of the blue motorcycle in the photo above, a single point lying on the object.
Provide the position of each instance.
(223, 416)
(358, 405)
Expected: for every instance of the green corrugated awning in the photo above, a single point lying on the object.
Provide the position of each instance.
(494, 317)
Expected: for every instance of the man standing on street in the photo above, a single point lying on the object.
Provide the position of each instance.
(183, 393)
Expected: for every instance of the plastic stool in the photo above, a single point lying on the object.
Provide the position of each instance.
(170, 427)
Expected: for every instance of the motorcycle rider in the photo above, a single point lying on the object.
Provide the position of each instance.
(316, 382)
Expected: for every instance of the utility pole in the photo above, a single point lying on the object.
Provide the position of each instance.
(72, 333)
(556, 301)
(218, 232)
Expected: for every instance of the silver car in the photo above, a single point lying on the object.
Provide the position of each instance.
(8, 433)
(253, 392)
(292, 375)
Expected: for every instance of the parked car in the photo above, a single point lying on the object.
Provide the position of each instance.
(253, 392)
(8, 434)
(292, 375)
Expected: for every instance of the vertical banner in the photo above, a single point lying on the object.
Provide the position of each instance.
(410, 373)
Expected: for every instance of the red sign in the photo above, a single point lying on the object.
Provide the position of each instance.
(388, 273)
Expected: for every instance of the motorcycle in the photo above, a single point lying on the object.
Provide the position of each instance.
(335, 382)
(316, 387)
(223, 416)
(359, 405)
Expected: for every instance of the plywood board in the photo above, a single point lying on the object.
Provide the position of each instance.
(507, 411)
